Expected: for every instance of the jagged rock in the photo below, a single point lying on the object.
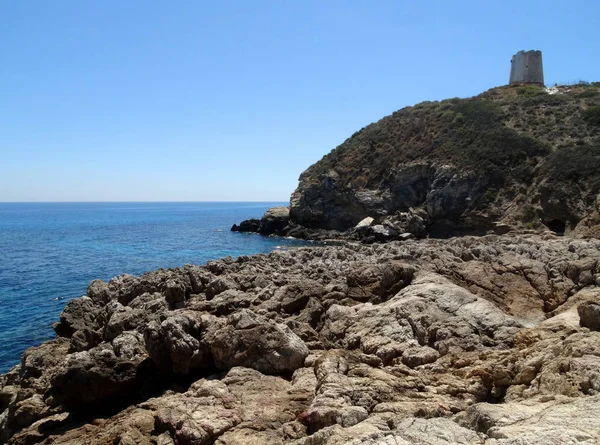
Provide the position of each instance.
(274, 221)
(413, 222)
(79, 313)
(252, 341)
(295, 296)
(589, 315)
(99, 292)
(546, 421)
(129, 345)
(379, 233)
(93, 378)
(249, 225)
(84, 339)
(413, 357)
(226, 302)
(419, 341)
(123, 318)
(218, 285)
(367, 281)
(176, 345)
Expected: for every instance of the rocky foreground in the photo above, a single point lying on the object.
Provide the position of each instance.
(464, 341)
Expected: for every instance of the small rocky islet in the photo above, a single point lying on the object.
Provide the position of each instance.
(387, 335)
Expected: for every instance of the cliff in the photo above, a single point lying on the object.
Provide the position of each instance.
(512, 157)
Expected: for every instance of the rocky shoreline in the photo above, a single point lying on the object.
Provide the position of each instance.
(277, 221)
(470, 340)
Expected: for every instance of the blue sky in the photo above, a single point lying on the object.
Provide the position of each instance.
(231, 100)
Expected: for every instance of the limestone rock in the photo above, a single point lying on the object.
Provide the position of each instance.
(589, 315)
(274, 221)
(365, 222)
(176, 345)
(421, 341)
(252, 341)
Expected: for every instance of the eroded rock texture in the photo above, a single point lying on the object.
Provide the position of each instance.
(465, 341)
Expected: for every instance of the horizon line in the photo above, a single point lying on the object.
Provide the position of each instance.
(132, 202)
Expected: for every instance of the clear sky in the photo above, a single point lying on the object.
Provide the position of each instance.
(191, 100)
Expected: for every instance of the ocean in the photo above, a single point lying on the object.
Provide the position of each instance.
(49, 252)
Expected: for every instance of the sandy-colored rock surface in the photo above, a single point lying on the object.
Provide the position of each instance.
(464, 341)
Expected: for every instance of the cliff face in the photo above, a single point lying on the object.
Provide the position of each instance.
(515, 156)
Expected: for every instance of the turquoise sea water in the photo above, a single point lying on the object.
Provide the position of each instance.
(49, 252)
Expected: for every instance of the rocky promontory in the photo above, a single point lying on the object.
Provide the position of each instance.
(470, 340)
(514, 157)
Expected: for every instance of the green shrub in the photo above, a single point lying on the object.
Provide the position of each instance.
(576, 163)
(592, 115)
(530, 215)
(591, 92)
(529, 91)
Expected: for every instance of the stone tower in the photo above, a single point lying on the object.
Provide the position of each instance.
(526, 67)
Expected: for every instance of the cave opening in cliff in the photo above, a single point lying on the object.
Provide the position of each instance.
(557, 226)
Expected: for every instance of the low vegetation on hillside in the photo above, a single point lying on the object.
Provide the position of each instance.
(519, 138)
(506, 132)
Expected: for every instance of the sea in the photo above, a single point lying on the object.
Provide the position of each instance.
(49, 253)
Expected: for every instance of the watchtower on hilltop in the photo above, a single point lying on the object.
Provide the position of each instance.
(526, 67)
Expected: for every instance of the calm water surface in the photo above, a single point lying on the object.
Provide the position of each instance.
(50, 252)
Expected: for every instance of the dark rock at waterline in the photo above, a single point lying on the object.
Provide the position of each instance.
(274, 222)
(247, 226)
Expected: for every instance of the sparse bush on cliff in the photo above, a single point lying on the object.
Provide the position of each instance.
(577, 164)
(592, 115)
(589, 92)
(530, 91)
(501, 133)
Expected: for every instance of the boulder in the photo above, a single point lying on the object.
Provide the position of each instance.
(589, 315)
(249, 225)
(252, 341)
(177, 345)
(367, 282)
(365, 222)
(274, 221)
(95, 378)
(78, 314)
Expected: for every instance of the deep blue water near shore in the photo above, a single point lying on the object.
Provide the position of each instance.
(49, 252)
